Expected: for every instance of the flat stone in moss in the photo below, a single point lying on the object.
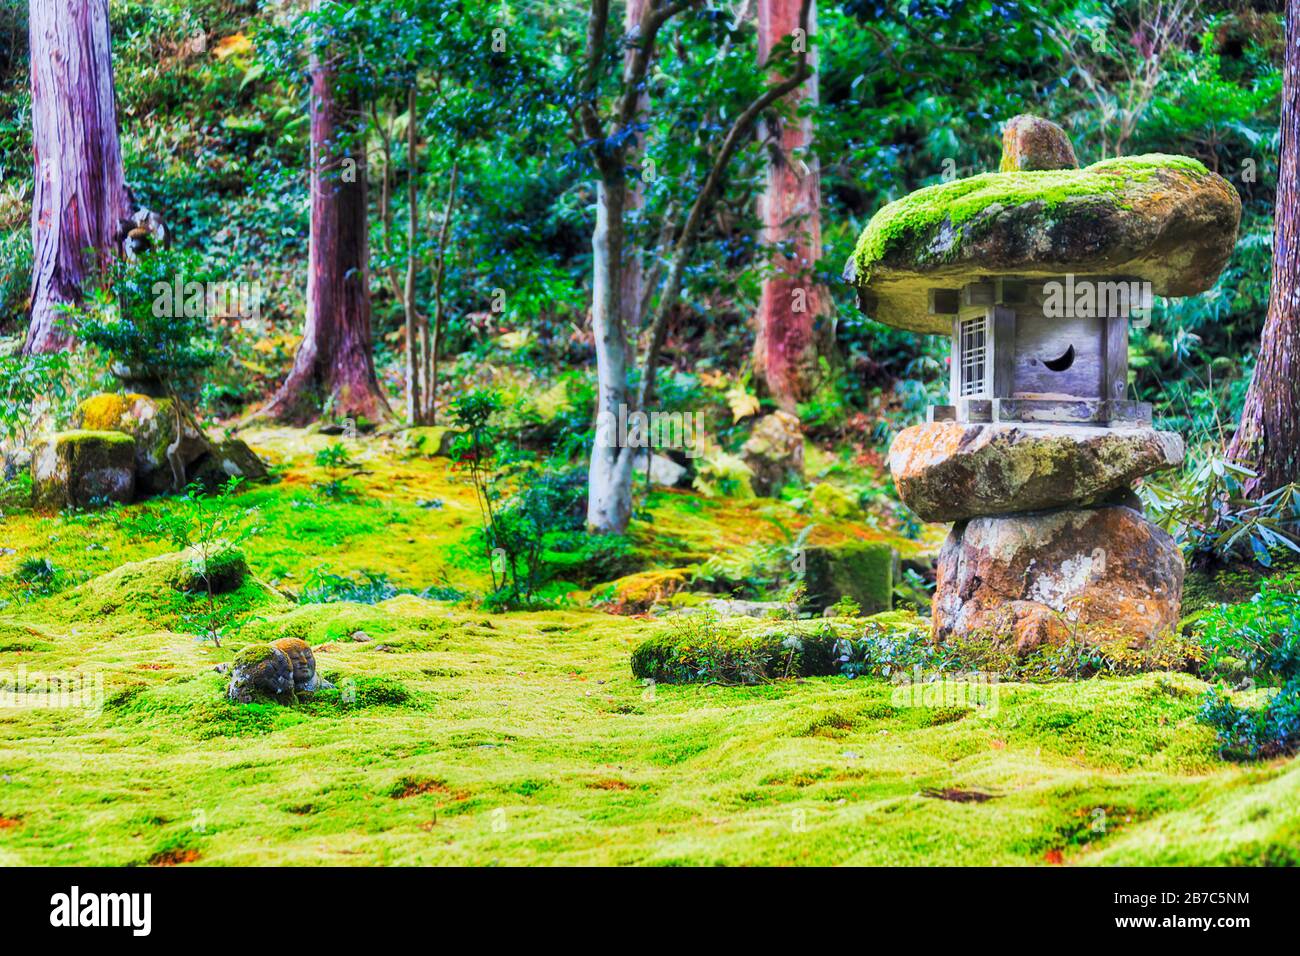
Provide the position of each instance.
(83, 469)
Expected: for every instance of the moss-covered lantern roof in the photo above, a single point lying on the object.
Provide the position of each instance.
(1163, 219)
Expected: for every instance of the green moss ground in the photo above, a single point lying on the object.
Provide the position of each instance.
(455, 737)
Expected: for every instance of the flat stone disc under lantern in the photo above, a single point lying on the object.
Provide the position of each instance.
(1037, 274)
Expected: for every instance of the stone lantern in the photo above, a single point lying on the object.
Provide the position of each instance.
(1037, 273)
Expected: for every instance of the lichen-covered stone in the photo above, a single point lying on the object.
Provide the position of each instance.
(227, 459)
(83, 469)
(1097, 574)
(862, 571)
(774, 453)
(1031, 144)
(1163, 219)
(152, 422)
(261, 670)
(303, 663)
(950, 471)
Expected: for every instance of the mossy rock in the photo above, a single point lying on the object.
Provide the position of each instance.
(261, 671)
(150, 589)
(861, 571)
(430, 441)
(223, 570)
(834, 501)
(83, 469)
(227, 459)
(1163, 219)
(637, 593)
(153, 423)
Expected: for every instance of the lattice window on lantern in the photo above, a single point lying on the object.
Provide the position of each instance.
(973, 348)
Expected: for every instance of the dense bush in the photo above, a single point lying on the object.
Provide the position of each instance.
(1257, 643)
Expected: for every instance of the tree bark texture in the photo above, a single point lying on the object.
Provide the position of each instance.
(1268, 438)
(785, 344)
(80, 200)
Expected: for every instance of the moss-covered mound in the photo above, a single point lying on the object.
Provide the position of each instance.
(740, 651)
(1164, 219)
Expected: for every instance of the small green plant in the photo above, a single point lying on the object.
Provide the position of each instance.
(340, 468)
(34, 578)
(208, 530)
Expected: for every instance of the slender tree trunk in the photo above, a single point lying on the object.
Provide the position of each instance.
(1268, 439)
(80, 198)
(334, 369)
(785, 346)
(633, 268)
(609, 495)
(431, 351)
(414, 365)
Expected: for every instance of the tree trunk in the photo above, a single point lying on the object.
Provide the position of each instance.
(785, 344)
(440, 270)
(609, 493)
(633, 280)
(1268, 439)
(80, 199)
(334, 368)
(414, 363)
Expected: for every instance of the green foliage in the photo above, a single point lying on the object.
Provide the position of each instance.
(145, 327)
(25, 380)
(365, 587)
(208, 529)
(1208, 513)
(1258, 642)
(339, 466)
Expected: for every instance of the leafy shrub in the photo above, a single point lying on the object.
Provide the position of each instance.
(167, 344)
(1209, 514)
(25, 380)
(1260, 642)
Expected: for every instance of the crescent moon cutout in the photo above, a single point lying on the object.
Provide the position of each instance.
(1062, 363)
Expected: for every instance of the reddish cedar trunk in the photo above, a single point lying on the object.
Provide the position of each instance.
(80, 198)
(1268, 439)
(785, 346)
(334, 366)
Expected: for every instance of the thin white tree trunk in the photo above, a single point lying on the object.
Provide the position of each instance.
(609, 498)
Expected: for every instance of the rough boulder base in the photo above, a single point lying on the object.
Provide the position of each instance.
(83, 469)
(228, 459)
(1033, 144)
(951, 471)
(1101, 573)
(774, 453)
